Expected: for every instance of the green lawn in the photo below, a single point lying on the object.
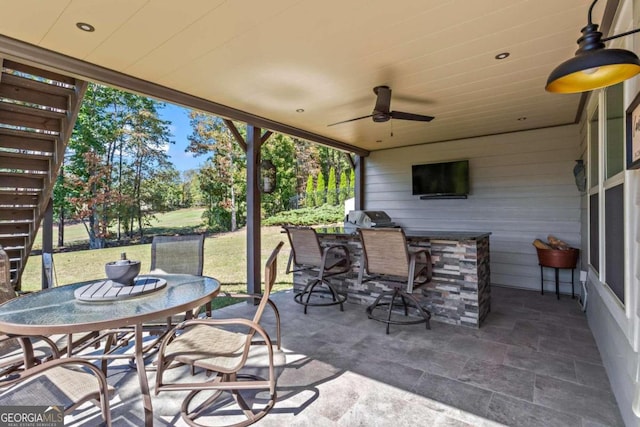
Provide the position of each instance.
(182, 221)
(224, 255)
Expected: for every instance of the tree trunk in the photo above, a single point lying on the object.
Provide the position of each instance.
(234, 211)
(95, 242)
(61, 228)
(119, 211)
(137, 192)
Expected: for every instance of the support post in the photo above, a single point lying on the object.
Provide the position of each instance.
(253, 210)
(359, 187)
(47, 241)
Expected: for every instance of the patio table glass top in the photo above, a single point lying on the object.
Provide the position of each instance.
(56, 310)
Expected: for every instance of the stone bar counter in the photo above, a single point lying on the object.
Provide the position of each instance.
(459, 292)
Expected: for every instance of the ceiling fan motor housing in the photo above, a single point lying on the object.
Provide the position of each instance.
(379, 117)
(382, 111)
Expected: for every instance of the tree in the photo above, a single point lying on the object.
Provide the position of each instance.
(61, 204)
(191, 194)
(320, 190)
(195, 194)
(343, 190)
(352, 183)
(281, 151)
(223, 177)
(309, 196)
(332, 198)
(147, 136)
(117, 143)
(216, 214)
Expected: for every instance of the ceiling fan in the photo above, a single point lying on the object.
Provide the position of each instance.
(381, 112)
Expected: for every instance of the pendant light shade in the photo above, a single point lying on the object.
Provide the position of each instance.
(593, 70)
(593, 66)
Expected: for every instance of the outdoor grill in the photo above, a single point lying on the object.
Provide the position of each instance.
(368, 219)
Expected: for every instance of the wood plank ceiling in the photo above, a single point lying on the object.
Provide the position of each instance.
(273, 58)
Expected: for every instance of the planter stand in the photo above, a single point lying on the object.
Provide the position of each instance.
(557, 259)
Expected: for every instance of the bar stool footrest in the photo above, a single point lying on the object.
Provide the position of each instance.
(304, 297)
(408, 300)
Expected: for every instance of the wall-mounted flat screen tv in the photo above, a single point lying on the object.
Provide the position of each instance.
(441, 179)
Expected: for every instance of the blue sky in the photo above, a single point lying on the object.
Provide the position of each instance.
(180, 130)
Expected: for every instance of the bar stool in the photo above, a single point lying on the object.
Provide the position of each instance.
(386, 255)
(327, 262)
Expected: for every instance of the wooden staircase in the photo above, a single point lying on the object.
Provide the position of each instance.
(38, 109)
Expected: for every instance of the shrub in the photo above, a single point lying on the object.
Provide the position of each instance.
(320, 190)
(331, 188)
(343, 189)
(309, 199)
(308, 216)
(352, 183)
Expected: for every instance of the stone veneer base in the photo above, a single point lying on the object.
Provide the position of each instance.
(458, 294)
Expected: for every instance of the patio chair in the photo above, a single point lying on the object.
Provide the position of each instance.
(326, 262)
(230, 349)
(67, 382)
(386, 255)
(169, 255)
(68, 343)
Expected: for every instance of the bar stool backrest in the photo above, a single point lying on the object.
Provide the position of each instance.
(305, 246)
(385, 251)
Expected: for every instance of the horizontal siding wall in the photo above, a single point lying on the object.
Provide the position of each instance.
(522, 188)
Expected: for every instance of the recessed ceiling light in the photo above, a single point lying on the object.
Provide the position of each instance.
(522, 119)
(85, 27)
(502, 55)
(300, 110)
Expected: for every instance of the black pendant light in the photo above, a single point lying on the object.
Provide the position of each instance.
(594, 66)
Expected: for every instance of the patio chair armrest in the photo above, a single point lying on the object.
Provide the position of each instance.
(413, 261)
(218, 322)
(328, 249)
(416, 251)
(271, 304)
(213, 322)
(342, 246)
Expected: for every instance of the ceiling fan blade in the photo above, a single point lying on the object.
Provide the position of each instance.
(409, 116)
(350, 120)
(383, 102)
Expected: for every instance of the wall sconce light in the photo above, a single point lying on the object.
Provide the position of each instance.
(594, 66)
(267, 177)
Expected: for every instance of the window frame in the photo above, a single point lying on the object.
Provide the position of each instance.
(599, 103)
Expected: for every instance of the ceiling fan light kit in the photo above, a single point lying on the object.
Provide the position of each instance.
(593, 65)
(382, 110)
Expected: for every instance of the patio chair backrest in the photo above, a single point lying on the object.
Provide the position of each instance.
(305, 246)
(385, 251)
(178, 254)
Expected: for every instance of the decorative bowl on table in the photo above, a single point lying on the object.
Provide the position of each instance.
(122, 272)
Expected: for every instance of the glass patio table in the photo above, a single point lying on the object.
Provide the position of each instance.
(58, 311)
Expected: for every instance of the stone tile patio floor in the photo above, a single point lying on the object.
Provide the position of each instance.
(533, 363)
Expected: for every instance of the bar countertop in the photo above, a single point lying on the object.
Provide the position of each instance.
(409, 232)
